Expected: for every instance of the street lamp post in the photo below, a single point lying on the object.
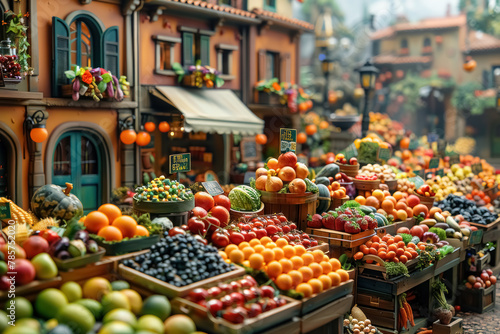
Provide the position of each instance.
(367, 75)
(327, 65)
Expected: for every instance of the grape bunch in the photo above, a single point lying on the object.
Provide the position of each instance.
(11, 69)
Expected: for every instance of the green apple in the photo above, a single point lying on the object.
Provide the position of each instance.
(45, 267)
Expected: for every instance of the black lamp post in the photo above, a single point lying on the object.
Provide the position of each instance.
(327, 65)
(367, 76)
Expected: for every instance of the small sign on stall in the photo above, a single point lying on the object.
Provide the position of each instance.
(440, 172)
(180, 163)
(5, 212)
(248, 176)
(213, 188)
(288, 140)
(384, 154)
(434, 163)
(413, 144)
(454, 159)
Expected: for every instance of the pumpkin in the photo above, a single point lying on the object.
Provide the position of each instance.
(287, 159)
(51, 200)
(324, 199)
(273, 183)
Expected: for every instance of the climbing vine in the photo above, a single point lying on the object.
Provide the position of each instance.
(17, 31)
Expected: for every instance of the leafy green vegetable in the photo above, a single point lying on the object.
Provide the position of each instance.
(439, 231)
(406, 237)
(395, 269)
(351, 204)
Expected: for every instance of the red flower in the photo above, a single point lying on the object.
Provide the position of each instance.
(87, 77)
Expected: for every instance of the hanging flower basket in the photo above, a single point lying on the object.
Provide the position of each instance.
(198, 76)
(273, 92)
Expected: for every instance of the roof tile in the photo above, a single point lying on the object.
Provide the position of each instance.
(479, 41)
(297, 22)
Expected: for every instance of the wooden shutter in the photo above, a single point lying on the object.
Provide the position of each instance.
(187, 49)
(205, 49)
(262, 64)
(111, 50)
(61, 58)
(285, 67)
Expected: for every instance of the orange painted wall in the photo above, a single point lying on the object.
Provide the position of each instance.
(167, 26)
(109, 14)
(276, 41)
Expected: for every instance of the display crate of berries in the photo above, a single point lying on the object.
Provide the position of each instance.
(176, 265)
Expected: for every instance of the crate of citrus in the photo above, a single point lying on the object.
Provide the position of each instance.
(162, 195)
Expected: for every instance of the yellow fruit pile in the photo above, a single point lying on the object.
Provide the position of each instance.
(290, 267)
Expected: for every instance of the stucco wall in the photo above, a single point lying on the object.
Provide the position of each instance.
(280, 42)
(283, 7)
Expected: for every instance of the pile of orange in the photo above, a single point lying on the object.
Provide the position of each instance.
(389, 248)
(109, 223)
(290, 267)
(399, 205)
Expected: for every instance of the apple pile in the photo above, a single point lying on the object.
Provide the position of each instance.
(485, 280)
(27, 263)
(426, 191)
(340, 159)
(237, 300)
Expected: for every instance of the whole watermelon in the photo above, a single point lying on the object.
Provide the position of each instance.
(51, 200)
(244, 198)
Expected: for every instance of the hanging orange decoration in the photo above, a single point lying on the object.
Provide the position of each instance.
(261, 139)
(301, 138)
(128, 136)
(311, 129)
(150, 126)
(39, 134)
(470, 64)
(164, 126)
(143, 138)
(324, 125)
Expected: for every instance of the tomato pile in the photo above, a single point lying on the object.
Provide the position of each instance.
(389, 248)
(366, 177)
(425, 190)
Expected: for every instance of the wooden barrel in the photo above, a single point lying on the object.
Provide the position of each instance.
(366, 184)
(295, 207)
(336, 202)
(235, 214)
(427, 201)
(349, 170)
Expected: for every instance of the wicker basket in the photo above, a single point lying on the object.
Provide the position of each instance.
(366, 184)
(349, 170)
(427, 201)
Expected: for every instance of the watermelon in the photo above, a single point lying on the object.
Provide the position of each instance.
(324, 199)
(51, 200)
(244, 198)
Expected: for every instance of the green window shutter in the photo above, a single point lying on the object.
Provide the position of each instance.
(61, 60)
(205, 50)
(187, 49)
(111, 50)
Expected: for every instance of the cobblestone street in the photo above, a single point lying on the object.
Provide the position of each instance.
(486, 323)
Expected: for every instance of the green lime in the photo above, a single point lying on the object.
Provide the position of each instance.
(3, 267)
(72, 290)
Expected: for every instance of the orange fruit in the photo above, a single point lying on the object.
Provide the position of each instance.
(387, 205)
(308, 258)
(95, 221)
(398, 238)
(317, 269)
(223, 255)
(268, 255)
(110, 233)
(247, 251)
(327, 281)
(325, 258)
(305, 289)
(318, 255)
(296, 276)
(336, 265)
(378, 194)
(237, 256)
(327, 267)
(361, 200)
(286, 264)
(274, 269)
(256, 261)
(398, 195)
(126, 224)
(141, 231)
(272, 163)
(390, 198)
(259, 248)
(111, 211)
(265, 240)
(316, 285)
(284, 282)
(243, 245)
(254, 242)
(297, 262)
(271, 245)
(289, 251)
(281, 242)
(299, 250)
(229, 248)
(278, 253)
(335, 278)
(344, 276)
(307, 273)
(401, 206)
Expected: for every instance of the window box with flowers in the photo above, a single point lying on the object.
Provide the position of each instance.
(426, 50)
(14, 50)
(96, 83)
(198, 76)
(404, 51)
(273, 92)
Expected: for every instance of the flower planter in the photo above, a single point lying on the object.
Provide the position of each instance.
(67, 91)
(262, 97)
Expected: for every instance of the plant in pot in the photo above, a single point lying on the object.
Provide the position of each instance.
(16, 30)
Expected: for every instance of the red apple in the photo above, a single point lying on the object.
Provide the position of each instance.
(19, 251)
(403, 230)
(417, 231)
(25, 271)
(35, 245)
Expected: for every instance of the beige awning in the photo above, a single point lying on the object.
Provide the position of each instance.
(212, 110)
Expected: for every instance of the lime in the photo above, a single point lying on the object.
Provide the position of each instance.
(92, 305)
(3, 268)
(134, 299)
(77, 317)
(21, 307)
(114, 299)
(116, 327)
(72, 290)
(120, 285)
(150, 323)
(49, 301)
(157, 305)
(4, 321)
(120, 314)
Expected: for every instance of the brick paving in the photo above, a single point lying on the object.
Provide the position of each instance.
(486, 323)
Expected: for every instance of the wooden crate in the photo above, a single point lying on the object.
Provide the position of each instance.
(454, 327)
(478, 300)
(427, 201)
(378, 317)
(313, 303)
(295, 207)
(393, 228)
(378, 301)
(340, 242)
(380, 270)
(310, 323)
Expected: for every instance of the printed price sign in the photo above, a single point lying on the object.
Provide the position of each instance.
(434, 163)
(351, 152)
(288, 140)
(180, 163)
(384, 154)
(213, 188)
(248, 176)
(5, 212)
(454, 159)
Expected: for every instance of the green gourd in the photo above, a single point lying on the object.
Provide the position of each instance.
(52, 200)
(329, 170)
(324, 199)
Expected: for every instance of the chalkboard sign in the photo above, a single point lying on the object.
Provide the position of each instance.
(475, 237)
(434, 163)
(413, 144)
(213, 188)
(2, 82)
(180, 163)
(384, 154)
(419, 172)
(454, 159)
(247, 177)
(440, 172)
(351, 152)
(477, 168)
(250, 151)
(288, 140)
(5, 212)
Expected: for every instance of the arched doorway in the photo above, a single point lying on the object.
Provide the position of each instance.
(78, 159)
(4, 169)
(10, 165)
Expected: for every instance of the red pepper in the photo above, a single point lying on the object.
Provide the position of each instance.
(50, 236)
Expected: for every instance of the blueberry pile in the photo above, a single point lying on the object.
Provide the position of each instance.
(180, 260)
(459, 205)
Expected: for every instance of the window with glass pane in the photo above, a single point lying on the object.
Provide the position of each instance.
(62, 157)
(81, 44)
(89, 157)
(226, 2)
(166, 55)
(226, 61)
(270, 5)
(271, 65)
